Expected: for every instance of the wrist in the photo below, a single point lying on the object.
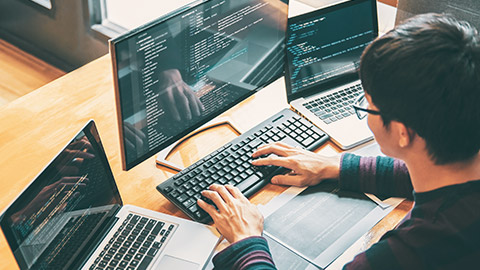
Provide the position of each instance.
(332, 170)
(240, 237)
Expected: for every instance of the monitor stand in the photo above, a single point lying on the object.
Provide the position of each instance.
(161, 159)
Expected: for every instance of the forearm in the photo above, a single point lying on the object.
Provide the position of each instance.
(382, 176)
(250, 253)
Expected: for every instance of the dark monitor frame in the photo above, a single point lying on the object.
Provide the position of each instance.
(316, 88)
(112, 43)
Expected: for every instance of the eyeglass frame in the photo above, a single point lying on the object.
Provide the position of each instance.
(357, 108)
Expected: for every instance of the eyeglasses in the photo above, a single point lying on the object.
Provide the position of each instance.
(360, 105)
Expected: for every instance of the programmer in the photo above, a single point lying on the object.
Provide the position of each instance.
(422, 96)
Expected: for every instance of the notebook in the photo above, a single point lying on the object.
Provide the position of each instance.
(323, 50)
(71, 216)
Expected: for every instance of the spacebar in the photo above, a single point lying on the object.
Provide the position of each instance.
(247, 183)
(144, 264)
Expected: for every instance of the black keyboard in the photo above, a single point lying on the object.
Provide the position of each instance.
(134, 244)
(231, 163)
(335, 106)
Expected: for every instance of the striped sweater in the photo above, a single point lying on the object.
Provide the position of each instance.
(442, 231)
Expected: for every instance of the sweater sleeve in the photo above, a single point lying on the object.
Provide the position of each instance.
(382, 176)
(388, 253)
(247, 254)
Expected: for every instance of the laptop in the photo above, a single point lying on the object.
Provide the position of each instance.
(323, 50)
(71, 216)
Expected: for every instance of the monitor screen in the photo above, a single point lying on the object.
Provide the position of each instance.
(178, 72)
(55, 219)
(326, 44)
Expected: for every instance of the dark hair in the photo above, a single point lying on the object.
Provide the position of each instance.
(425, 73)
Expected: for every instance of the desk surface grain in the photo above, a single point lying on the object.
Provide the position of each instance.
(36, 127)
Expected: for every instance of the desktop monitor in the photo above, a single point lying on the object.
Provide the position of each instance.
(180, 71)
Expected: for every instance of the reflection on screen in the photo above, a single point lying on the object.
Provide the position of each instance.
(63, 208)
(176, 74)
(322, 48)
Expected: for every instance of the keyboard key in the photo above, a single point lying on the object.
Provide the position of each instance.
(308, 141)
(157, 228)
(152, 252)
(135, 219)
(144, 264)
(247, 183)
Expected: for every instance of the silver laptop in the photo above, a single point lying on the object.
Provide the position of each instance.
(323, 50)
(72, 217)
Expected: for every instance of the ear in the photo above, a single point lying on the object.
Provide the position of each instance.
(405, 134)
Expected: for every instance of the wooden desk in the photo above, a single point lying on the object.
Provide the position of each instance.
(37, 126)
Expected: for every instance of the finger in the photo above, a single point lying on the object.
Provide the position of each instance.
(275, 161)
(224, 193)
(193, 101)
(77, 145)
(84, 155)
(88, 145)
(133, 136)
(182, 102)
(137, 132)
(288, 180)
(277, 149)
(170, 105)
(208, 208)
(236, 193)
(282, 144)
(216, 199)
(78, 154)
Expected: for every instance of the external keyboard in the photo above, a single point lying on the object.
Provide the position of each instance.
(335, 106)
(231, 163)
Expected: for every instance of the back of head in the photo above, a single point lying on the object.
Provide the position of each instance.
(425, 73)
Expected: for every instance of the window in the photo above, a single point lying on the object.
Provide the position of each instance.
(113, 17)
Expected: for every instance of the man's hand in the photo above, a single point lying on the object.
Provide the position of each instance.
(307, 168)
(177, 98)
(236, 218)
(71, 159)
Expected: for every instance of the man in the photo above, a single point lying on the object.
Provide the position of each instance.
(422, 98)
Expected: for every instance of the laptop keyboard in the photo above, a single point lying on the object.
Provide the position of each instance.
(231, 164)
(134, 244)
(335, 106)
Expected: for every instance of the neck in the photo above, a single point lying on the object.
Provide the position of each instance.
(427, 176)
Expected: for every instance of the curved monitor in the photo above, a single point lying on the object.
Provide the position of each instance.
(178, 72)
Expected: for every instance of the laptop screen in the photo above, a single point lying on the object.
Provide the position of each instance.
(56, 217)
(326, 44)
